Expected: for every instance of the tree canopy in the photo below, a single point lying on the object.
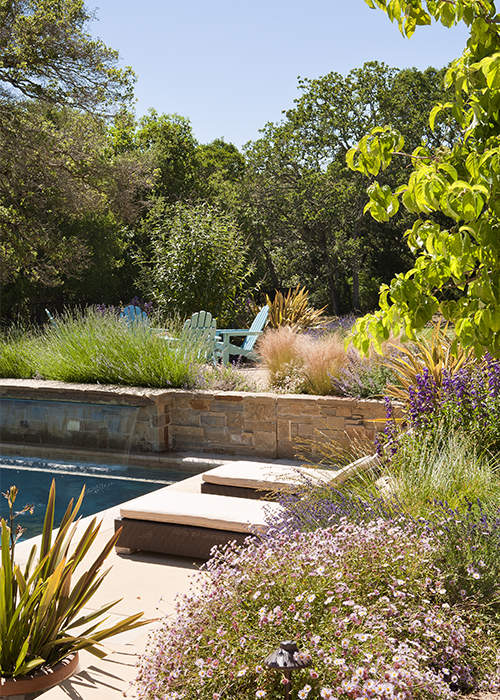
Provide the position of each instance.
(307, 205)
(47, 54)
(87, 190)
(57, 85)
(453, 191)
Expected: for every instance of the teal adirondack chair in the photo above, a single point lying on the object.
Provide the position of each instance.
(133, 314)
(201, 326)
(199, 330)
(224, 346)
(51, 318)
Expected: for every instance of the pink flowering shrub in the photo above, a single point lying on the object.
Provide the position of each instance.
(363, 601)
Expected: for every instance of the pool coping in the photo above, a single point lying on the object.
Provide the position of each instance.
(189, 462)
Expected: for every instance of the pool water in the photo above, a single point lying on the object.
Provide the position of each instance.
(106, 485)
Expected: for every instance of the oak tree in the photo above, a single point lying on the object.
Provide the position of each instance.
(307, 205)
(57, 87)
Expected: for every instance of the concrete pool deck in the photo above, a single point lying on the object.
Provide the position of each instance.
(145, 582)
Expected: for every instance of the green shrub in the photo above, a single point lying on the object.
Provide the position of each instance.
(197, 261)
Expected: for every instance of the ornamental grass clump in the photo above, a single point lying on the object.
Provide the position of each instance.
(365, 602)
(320, 364)
(441, 464)
(281, 350)
(293, 310)
(322, 359)
(92, 347)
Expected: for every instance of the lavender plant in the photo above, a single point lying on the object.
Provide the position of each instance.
(362, 377)
(365, 603)
(95, 348)
(221, 377)
(467, 551)
(16, 345)
(313, 506)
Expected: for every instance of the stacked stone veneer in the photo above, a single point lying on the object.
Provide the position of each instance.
(145, 420)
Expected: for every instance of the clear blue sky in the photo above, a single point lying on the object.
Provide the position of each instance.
(230, 66)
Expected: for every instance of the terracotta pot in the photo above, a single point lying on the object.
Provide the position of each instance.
(40, 680)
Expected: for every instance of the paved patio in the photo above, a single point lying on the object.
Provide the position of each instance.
(145, 582)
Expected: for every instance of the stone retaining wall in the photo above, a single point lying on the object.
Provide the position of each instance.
(152, 420)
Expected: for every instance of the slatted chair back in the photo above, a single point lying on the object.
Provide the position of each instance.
(133, 314)
(201, 329)
(257, 325)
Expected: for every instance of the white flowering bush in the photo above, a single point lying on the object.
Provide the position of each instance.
(364, 602)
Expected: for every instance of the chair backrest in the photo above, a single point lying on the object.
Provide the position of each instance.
(133, 314)
(200, 329)
(257, 325)
(50, 317)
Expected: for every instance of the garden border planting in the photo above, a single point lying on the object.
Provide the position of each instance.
(231, 423)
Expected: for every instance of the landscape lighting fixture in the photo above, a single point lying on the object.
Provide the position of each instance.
(287, 659)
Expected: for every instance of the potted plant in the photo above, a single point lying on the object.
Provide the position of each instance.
(42, 627)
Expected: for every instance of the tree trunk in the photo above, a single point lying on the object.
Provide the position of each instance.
(333, 295)
(355, 283)
(270, 267)
(330, 275)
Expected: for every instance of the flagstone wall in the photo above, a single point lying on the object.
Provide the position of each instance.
(260, 425)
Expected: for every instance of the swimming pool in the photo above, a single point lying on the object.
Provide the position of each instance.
(106, 485)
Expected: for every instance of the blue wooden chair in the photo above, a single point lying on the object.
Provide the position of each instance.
(51, 318)
(133, 314)
(201, 326)
(199, 330)
(224, 346)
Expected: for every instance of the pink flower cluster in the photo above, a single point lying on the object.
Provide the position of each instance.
(364, 602)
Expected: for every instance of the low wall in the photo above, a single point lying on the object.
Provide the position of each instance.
(155, 420)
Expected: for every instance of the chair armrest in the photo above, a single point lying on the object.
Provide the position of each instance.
(237, 332)
(170, 337)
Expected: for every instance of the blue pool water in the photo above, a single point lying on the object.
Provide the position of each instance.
(106, 485)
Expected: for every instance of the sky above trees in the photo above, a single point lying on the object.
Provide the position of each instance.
(231, 66)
